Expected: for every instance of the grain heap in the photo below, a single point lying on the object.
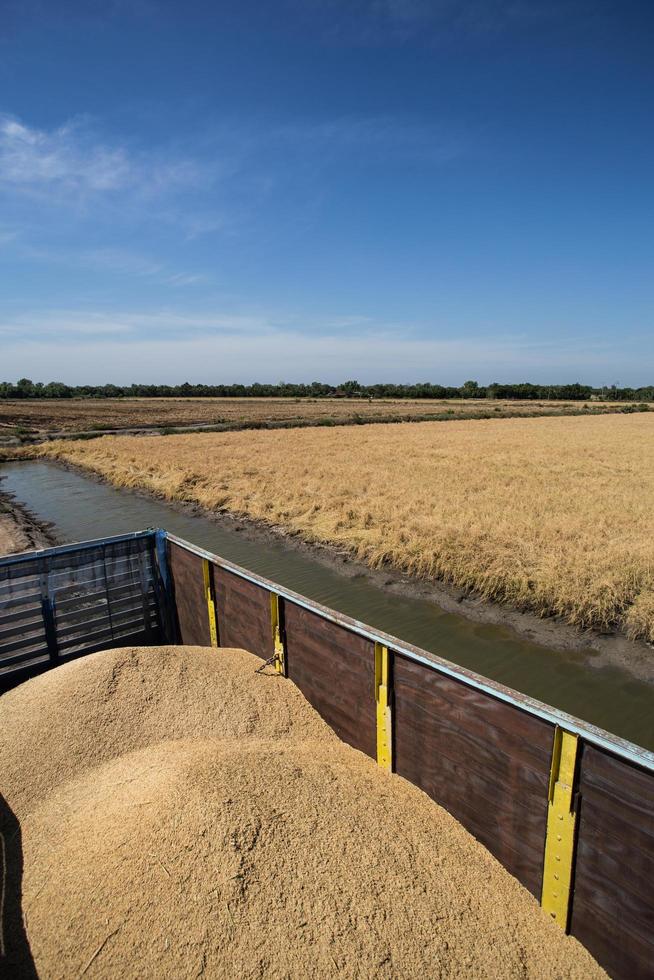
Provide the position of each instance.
(179, 814)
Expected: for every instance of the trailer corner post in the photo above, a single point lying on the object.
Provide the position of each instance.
(561, 829)
(166, 601)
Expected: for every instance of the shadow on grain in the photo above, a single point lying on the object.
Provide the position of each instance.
(15, 953)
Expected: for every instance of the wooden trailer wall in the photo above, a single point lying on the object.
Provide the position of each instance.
(566, 808)
(492, 757)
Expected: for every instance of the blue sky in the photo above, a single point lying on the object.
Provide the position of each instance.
(324, 189)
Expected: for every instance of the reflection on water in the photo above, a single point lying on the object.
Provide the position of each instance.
(81, 508)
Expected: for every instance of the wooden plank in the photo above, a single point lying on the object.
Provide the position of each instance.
(19, 667)
(614, 779)
(482, 715)
(106, 620)
(17, 577)
(97, 585)
(113, 593)
(243, 613)
(613, 902)
(18, 588)
(624, 954)
(32, 625)
(19, 601)
(36, 649)
(118, 599)
(335, 670)
(609, 888)
(103, 554)
(61, 578)
(133, 602)
(136, 639)
(472, 744)
(10, 646)
(484, 760)
(23, 615)
(189, 604)
(625, 844)
(108, 633)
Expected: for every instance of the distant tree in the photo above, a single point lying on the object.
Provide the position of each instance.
(24, 388)
(56, 389)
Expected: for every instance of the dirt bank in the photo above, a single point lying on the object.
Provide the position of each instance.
(20, 530)
(183, 815)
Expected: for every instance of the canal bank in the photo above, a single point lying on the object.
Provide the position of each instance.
(581, 682)
(20, 530)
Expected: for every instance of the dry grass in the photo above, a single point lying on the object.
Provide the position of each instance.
(78, 415)
(553, 515)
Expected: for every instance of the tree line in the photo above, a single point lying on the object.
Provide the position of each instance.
(24, 388)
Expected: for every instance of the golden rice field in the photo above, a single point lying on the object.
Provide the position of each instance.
(554, 515)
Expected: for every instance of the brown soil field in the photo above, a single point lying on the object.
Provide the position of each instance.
(173, 813)
(548, 515)
(39, 417)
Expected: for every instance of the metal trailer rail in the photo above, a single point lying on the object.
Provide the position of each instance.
(566, 807)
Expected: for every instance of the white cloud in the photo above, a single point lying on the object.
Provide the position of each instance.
(59, 157)
(70, 161)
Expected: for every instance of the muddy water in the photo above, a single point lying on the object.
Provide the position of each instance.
(80, 508)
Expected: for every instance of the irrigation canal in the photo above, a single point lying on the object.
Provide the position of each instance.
(80, 508)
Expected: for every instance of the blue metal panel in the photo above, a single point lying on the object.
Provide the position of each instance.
(63, 549)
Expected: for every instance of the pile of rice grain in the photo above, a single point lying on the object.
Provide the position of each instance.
(181, 815)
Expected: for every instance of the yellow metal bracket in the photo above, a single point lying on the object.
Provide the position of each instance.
(384, 714)
(561, 826)
(211, 602)
(278, 658)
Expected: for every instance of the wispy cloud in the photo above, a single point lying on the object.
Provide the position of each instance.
(380, 138)
(216, 187)
(117, 261)
(131, 325)
(60, 157)
(70, 162)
